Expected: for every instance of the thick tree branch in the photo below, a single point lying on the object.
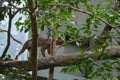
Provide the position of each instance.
(64, 60)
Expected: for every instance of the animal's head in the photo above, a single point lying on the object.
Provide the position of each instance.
(59, 41)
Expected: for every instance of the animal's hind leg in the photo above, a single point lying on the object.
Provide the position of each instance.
(20, 52)
(29, 55)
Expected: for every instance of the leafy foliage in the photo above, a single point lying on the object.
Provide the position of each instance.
(61, 14)
(25, 25)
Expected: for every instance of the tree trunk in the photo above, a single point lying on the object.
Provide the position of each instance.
(52, 53)
(33, 56)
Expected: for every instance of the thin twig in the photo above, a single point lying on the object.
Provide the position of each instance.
(83, 11)
(12, 37)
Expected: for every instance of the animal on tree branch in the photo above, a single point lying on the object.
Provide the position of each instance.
(42, 42)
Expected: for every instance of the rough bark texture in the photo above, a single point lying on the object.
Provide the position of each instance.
(63, 60)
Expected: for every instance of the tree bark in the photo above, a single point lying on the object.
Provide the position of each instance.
(33, 54)
(106, 29)
(8, 33)
(63, 60)
(52, 53)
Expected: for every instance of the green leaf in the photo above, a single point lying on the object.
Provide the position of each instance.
(42, 26)
(64, 70)
(18, 24)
